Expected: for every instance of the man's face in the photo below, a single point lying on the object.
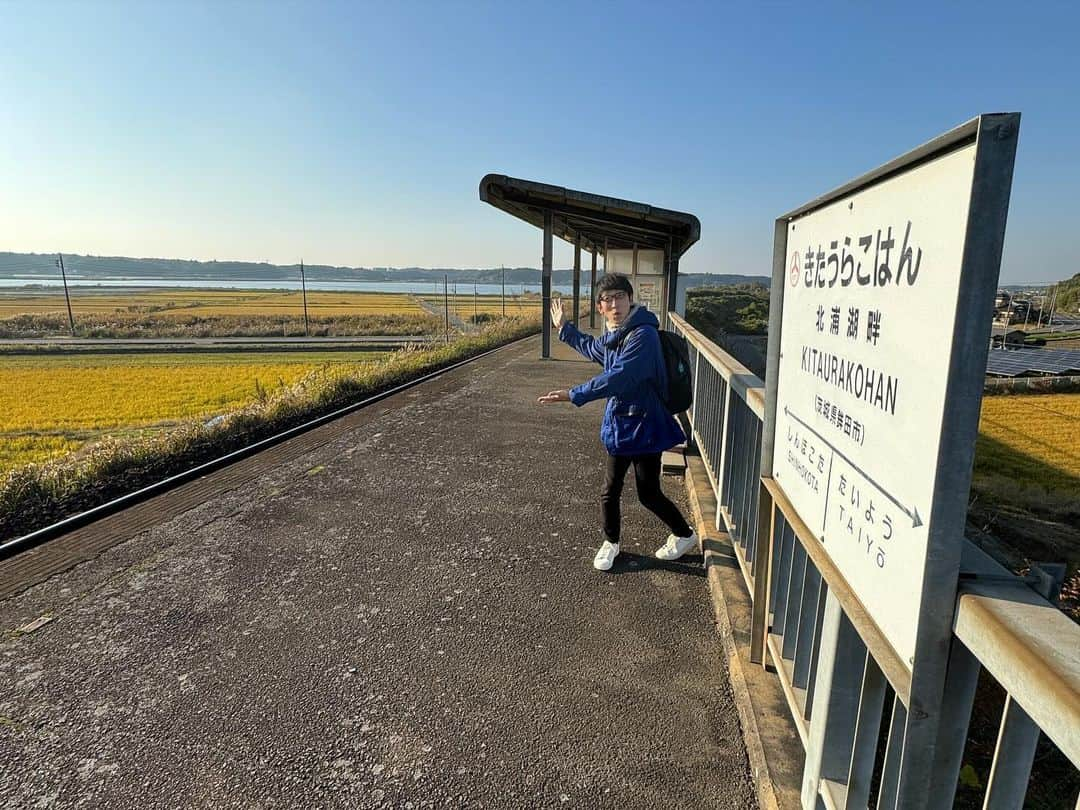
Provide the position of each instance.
(614, 305)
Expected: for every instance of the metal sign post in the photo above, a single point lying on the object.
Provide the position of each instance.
(877, 353)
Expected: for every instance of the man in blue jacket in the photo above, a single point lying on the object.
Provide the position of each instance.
(637, 427)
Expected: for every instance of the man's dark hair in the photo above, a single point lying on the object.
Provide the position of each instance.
(613, 281)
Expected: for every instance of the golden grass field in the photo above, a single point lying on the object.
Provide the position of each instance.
(207, 303)
(52, 404)
(463, 306)
(1031, 437)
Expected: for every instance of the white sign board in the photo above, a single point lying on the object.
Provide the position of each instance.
(872, 283)
(648, 291)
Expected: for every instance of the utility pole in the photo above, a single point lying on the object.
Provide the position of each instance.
(303, 286)
(446, 303)
(67, 297)
(504, 290)
(1053, 304)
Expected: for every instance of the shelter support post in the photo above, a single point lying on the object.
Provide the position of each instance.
(545, 289)
(592, 291)
(672, 278)
(577, 279)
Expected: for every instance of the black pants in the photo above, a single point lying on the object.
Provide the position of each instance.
(647, 477)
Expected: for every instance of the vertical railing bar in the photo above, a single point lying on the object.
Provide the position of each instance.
(716, 441)
(749, 478)
(783, 579)
(703, 421)
(753, 458)
(721, 496)
(715, 450)
(735, 459)
(961, 678)
(804, 636)
(815, 646)
(867, 728)
(815, 743)
(755, 485)
(740, 487)
(748, 472)
(715, 444)
(794, 601)
(894, 752)
(1013, 756)
(843, 702)
(697, 385)
(778, 553)
(734, 456)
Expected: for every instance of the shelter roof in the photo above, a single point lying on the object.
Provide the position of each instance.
(593, 217)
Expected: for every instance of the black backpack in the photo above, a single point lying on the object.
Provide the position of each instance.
(680, 388)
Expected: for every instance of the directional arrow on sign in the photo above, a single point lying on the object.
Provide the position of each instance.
(912, 513)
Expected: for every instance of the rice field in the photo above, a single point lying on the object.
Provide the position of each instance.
(1031, 437)
(189, 303)
(465, 305)
(54, 404)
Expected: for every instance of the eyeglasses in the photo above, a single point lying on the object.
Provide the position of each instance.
(611, 299)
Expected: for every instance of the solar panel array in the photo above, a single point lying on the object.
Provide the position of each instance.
(1018, 362)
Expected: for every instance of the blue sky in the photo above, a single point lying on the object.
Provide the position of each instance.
(357, 134)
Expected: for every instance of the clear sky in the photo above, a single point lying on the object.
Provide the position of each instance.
(357, 134)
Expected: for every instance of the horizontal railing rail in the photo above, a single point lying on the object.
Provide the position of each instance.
(1003, 626)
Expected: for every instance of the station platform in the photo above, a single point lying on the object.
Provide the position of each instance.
(397, 609)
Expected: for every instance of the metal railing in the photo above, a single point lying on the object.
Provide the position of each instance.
(818, 633)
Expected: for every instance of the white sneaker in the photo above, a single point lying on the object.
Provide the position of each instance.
(605, 557)
(676, 546)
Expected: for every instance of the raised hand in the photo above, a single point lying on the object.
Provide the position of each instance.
(557, 314)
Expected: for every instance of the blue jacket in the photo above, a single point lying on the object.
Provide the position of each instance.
(635, 420)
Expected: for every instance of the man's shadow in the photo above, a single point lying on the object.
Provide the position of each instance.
(630, 563)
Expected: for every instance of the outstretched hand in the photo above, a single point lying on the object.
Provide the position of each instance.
(557, 314)
(562, 395)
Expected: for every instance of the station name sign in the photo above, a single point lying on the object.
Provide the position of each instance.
(869, 305)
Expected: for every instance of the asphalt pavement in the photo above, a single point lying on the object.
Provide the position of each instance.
(399, 611)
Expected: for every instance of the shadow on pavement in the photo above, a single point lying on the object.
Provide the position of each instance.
(630, 563)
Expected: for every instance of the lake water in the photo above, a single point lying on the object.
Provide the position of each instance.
(418, 287)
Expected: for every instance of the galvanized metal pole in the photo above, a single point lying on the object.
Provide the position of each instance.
(759, 629)
(577, 278)
(67, 298)
(545, 289)
(592, 291)
(995, 154)
(303, 286)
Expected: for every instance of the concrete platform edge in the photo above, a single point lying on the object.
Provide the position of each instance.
(772, 742)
